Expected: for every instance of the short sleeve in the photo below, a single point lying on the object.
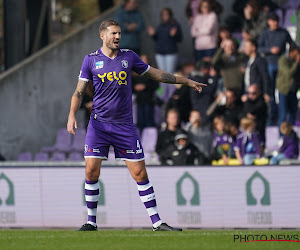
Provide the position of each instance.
(85, 72)
(138, 65)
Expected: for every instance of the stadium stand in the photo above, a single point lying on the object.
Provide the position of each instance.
(25, 156)
(58, 156)
(63, 142)
(41, 156)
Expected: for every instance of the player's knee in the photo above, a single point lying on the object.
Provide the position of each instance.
(92, 173)
(140, 174)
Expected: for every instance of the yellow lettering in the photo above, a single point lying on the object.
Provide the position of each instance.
(122, 75)
(115, 76)
(109, 76)
(102, 77)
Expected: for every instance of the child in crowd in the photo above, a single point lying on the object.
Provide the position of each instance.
(222, 143)
(290, 146)
(248, 143)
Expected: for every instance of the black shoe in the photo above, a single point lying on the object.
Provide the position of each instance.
(88, 227)
(165, 227)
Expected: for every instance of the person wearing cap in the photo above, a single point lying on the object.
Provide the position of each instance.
(272, 43)
(182, 152)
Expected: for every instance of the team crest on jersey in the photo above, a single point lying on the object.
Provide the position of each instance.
(125, 64)
(99, 64)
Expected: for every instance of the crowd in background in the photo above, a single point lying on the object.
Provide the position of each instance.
(251, 67)
(242, 62)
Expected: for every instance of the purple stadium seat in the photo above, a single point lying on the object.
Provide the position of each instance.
(149, 138)
(58, 156)
(41, 156)
(25, 156)
(272, 138)
(78, 141)
(62, 144)
(290, 18)
(76, 156)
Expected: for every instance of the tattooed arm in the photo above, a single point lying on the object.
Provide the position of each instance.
(162, 76)
(75, 105)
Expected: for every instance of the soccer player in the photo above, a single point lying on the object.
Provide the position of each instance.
(111, 123)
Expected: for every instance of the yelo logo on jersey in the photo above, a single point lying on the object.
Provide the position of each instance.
(110, 76)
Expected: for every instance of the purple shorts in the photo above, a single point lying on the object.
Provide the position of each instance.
(123, 137)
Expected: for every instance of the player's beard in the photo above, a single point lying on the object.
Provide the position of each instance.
(112, 46)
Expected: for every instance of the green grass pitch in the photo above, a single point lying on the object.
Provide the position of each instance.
(136, 239)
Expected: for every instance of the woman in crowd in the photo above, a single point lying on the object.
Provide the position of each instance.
(205, 31)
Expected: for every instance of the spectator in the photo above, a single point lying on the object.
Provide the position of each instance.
(287, 83)
(132, 24)
(255, 19)
(192, 6)
(255, 108)
(222, 143)
(144, 88)
(272, 43)
(230, 61)
(247, 147)
(224, 34)
(199, 135)
(231, 111)
(205, 31)
(245, 37)
(239, 5)
(290, 146)
(256, 70)
(166, 137)
(205, 74)
(233, 131)
(182, 152)
(166, 37)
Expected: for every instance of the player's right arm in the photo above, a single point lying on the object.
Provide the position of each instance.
(75, 105)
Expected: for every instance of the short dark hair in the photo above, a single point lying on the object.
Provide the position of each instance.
(294, 47)
(107, 23)
(253, 42)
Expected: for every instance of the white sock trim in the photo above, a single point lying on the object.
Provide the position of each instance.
(92, 223)
(157, 224)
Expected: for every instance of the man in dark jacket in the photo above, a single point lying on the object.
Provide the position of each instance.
(201, 102)
(256, 71)
(132, 25)
(144, 88)
(165, 137)
(272, 43)
(255, 108)
(232, 109)
(182, 152)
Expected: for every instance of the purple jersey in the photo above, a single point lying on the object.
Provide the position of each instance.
(112, 101)
(248, 143)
